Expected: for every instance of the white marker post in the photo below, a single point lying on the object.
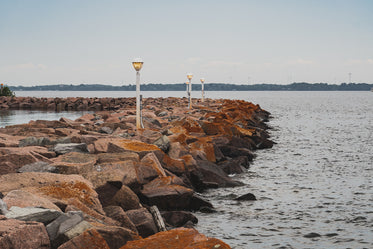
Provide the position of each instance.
(203, 89)
(137, 64)
(190, 76)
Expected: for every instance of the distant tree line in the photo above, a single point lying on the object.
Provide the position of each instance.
(208, 87)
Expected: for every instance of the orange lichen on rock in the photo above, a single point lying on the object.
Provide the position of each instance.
(65, 191)
(131, 145)
(179, 238)
(241, 132)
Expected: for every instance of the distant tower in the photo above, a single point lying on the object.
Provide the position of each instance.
(349, 77)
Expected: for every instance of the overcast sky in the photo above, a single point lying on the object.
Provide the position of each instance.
(231, 41)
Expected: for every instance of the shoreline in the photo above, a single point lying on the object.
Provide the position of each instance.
(123, 170)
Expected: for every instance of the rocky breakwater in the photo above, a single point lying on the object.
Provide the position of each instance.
(98, 182)
(64, 104)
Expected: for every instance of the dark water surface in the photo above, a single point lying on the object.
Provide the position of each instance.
(317, 179)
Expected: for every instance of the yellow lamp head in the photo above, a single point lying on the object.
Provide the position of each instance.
(137, 64)
(202, 80)
(189, 76)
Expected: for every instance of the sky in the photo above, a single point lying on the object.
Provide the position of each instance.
(45, 42)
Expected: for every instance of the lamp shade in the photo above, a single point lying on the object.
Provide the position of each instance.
(189, 76)
(137, 64)
(202, 80)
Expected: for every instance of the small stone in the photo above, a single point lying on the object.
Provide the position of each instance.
(246, 197)
(312, 235)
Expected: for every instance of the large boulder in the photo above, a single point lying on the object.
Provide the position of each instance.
(143, 221)
(24, 199)
(178, 218)
(12, 158)
(71, 147)
(111, 195)
(180, 238)
(60, 189)
(168, 194)
(65, 227)
(117, 213)
(16, 234)
(115, 236)
(125, 145)
(214, 174)
(150, 168)
(74, 163)
(121, 172)
(32, 214)
(87, 239)
(38, 166)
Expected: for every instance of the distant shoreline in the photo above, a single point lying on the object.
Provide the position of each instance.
(197, 87)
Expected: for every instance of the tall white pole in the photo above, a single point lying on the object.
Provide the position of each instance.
(189, 77)
(138, 114)
(190, 94)
(203, 90)
(137, 64)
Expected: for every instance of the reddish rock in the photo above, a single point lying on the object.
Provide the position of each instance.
(150, 168)
(21, 198)
(8, 140)
(116, 157)
(166, 195)
(143, 221)
(180, 238)
(124, 197)
(125, 145)
(12, 158)
(74, 163)
(117, 213)
(176, 166)
(89, 239)
(115, 236)
(16, 234)
(114, 172)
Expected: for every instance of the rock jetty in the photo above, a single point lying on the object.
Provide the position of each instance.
(98, 182)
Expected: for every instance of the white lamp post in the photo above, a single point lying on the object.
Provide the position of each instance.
(137, 64)
(190, 76)
(203, 89)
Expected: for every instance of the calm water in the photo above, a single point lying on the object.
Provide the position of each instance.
(317, 179)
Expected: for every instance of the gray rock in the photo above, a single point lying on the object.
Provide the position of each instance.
(246, 197)
(64, 221)
(100, 122)
(62, 140)
(106, 130)
(33, 141)
(312, 235)
(3, 207)
(66, 227)
(163, 143)
(71, 147)
(39, 166)
(162, 114)
(32, 214)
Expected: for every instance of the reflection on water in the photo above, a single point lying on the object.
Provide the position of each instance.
(317, 179)
(11, 117)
